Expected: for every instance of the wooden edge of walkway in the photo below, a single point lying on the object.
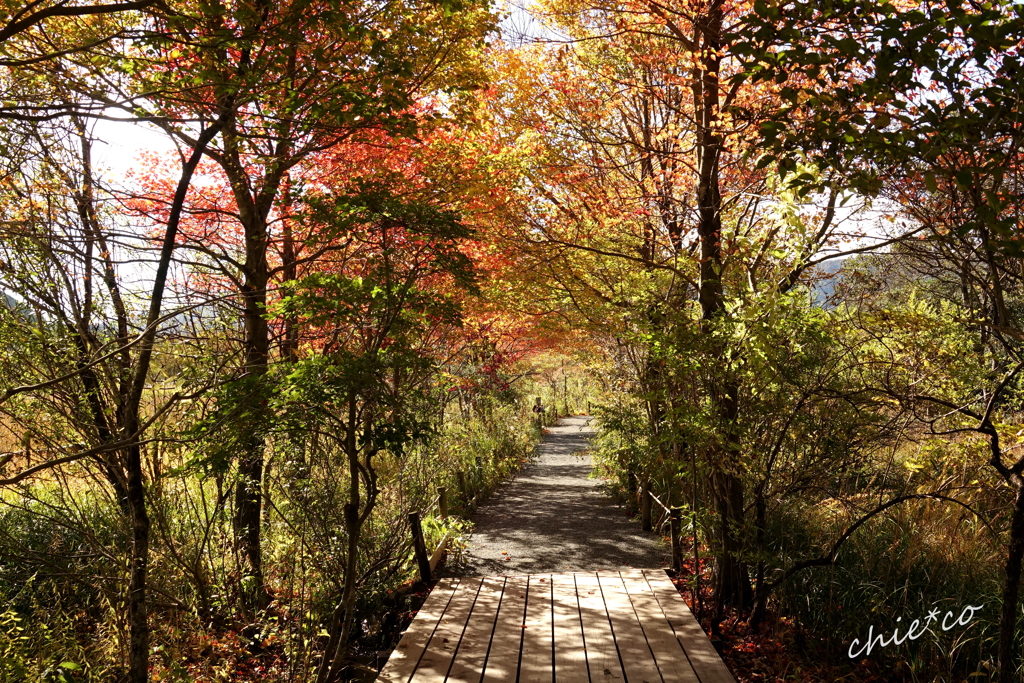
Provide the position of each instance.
(705, 660)
(629, 626)
(406, 656)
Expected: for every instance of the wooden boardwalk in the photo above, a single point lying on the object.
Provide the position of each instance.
(628, 626)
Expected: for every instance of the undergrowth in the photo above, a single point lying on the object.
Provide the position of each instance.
(62, 575)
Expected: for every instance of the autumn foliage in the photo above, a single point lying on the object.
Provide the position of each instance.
(774, 247)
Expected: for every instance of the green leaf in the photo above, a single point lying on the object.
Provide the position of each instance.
(929, 182)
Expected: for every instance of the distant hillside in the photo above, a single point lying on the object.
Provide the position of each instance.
(8, 301)
(825, 277)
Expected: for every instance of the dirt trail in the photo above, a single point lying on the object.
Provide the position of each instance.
(553, 518)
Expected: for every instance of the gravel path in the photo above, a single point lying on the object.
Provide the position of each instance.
(552, 518)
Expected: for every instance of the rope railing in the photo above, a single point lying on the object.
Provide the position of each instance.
(469, 487)
(657, 500)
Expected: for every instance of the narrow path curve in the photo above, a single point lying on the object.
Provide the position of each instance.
(553, 518)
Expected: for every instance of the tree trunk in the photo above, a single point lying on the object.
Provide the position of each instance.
(138, 619)
(253, 213)
(248, 514)
(248, 488)
(138, 615)
(1011, 593)
(341, 619)
(732, 580)
(289, 271)
(732, 583)
(760, 595)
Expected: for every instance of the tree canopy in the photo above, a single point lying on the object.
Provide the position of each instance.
(774, 248)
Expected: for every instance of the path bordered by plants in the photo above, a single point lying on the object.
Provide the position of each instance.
(554, 518)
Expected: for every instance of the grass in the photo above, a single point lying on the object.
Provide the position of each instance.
(63, 570)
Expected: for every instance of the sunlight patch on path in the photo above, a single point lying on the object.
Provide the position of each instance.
(553, 518)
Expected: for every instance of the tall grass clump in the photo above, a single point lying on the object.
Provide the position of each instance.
(61, 572)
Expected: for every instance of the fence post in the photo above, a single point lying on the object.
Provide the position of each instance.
(674, 517)
(645, 504)
(631, 487)
(419, 547)
(442, 500)
(460, 478)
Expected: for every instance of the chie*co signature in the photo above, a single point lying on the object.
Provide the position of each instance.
(915, 631)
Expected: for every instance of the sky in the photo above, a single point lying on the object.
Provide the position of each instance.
(122, 142)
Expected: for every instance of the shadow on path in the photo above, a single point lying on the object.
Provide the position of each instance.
(552, 518)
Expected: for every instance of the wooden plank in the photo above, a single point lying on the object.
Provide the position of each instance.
(436, 660)
(702, 655)
(471, 655)
(503, 658)
(535, 664)
(668, 652)
(570, 656)
(438, 552)
(636, 657)
(602, 656)
(403, 660)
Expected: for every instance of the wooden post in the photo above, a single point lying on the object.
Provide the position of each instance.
(645, 504)
(419, 547)
(565, 389)
(442, 500)
(696, 572)
(460, 478)
(675, 516)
